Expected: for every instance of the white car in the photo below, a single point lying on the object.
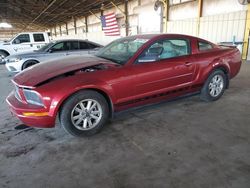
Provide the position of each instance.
(23, 42)
(53, 50)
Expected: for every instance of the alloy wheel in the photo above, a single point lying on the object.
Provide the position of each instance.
(216, 85)
(86, 114)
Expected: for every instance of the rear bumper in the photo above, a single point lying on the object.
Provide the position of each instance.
(19, 109)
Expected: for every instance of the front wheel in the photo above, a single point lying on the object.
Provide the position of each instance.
(84, 113)
(214, 87)
(29, 63)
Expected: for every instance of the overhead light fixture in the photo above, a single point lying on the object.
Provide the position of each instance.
(5, 25)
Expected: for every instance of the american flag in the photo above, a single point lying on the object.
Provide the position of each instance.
(109, 25)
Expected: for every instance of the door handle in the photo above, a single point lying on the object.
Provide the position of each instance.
(188, 64)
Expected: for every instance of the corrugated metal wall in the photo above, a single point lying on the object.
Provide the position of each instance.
(187, 26)
(217, 24)
(216, 28)
(223, 27)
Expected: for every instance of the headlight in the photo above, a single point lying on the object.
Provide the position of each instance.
(32, 97)
(13, 60)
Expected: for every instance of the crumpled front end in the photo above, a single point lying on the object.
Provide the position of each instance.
(24, 106)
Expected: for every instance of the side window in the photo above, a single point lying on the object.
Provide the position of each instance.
(38, 37)
(165, 49)
(84, 46)
(203, 46)
(22, 39)
(57, 47)
(92, 46)
(74, 45)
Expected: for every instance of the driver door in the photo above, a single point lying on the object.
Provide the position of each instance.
(166, 65)
(22, 43)
(58, 50)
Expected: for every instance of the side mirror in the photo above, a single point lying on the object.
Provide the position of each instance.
(17, 41)
(50, 50)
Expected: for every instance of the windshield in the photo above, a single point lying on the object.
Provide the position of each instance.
(121, 50)
(10, 39)
(45, 47)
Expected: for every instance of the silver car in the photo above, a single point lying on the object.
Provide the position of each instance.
(53, 50)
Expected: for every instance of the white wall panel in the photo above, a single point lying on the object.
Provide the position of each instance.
(214, 7)
(183, 11)
(222, 19)
(187, 26)
(223, 27)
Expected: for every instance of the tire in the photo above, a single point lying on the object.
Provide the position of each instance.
(2, 56)
(214, 86)
(28, 63)
(76, 116)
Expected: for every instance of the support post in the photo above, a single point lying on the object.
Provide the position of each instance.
(67, 31)
(55, 31)
(199, 15)
(126, 17)
(60, 30)
(100, 17)
(246, 36)
(75, 25)
(51, 32)
(166, 15)
(86, 24)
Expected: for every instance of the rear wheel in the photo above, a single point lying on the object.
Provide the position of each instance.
(214, 87)
(84, 113)
(29, 63)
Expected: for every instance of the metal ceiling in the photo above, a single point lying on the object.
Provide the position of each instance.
(42, 14)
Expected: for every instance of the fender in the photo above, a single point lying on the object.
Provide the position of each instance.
(217, 63)
(5, 51)
(99, 86)
(29, 59)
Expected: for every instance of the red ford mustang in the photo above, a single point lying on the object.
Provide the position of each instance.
(133, 71)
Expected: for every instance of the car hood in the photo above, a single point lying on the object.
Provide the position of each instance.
(39, 73)
(4, 43)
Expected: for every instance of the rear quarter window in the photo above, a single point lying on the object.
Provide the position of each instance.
(38, 37)
(204, 46)
(92, 46)
(84, 46)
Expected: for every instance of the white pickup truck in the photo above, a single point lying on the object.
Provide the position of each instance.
(23, 42)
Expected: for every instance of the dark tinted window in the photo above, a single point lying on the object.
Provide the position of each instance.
(38, 37)
(92, 46)
(61, 46)
(22, 38)
(203, 46)
(84, 46)
(74, 45)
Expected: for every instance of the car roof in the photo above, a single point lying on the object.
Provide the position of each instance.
(151, 36)
(64, 40)
(81, 40)
(36, 32)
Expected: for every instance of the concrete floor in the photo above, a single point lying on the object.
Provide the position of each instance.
(181, 144)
